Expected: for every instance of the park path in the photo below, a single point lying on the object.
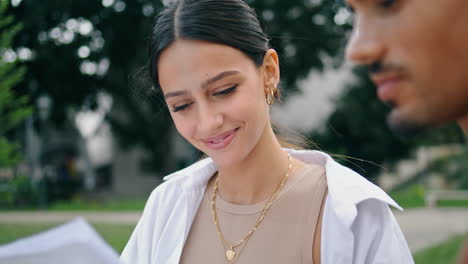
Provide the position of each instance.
(423, 227)
(47, 217)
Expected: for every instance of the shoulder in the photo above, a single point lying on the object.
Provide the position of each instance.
(165, 214)
(346, 187)
(378, 235)
(193, 177)
(178, 185)
(160, 202)
(354, 197)
(372, 215)
(367, 232)
(358, 225)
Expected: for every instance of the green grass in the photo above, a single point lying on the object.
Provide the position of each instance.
(90, 205)
(116, 235)
(412, 197)
(82, 205)
(453, 203)
(445, 253)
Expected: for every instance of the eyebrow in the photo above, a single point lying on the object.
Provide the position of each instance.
(174, 94)
(218, 77)
(348, 4)
(204, 84)
(345, 3)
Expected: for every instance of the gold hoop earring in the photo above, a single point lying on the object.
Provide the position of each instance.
(270, 98)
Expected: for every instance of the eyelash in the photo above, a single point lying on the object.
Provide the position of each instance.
(383, 4)
(180, 108)
(387, 3)
(221, 93)
(227, 91)
(349, 8)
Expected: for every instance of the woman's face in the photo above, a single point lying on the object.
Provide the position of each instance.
(216, 97)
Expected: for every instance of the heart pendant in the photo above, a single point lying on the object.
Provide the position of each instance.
(230, 254)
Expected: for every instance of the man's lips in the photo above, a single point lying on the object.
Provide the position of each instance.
(387, 85)
(220, 141)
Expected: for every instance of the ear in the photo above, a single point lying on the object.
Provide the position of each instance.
(271, 69)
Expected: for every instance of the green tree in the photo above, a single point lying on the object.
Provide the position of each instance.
(13, 108)
(357, 129)
(356, 132)
(67, 55)
(73, 41)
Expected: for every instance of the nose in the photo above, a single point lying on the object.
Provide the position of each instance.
(365, 45)
(210, 119)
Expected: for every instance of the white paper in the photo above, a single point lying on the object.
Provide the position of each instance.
(75, 242)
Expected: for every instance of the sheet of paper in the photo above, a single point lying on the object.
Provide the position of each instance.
(75, 242)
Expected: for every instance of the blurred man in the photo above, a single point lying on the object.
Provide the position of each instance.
(417, 55)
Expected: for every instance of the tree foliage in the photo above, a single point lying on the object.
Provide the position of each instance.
(13, 108)
(357, 130)
(69, 61)
(83, 47)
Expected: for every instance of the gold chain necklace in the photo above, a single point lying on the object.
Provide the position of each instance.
(231, 254)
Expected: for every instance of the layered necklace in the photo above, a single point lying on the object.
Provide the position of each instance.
(230, 248)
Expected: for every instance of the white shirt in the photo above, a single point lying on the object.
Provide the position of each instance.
(357, 227)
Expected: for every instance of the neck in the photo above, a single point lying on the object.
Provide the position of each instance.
(257, 176)
(463, 122)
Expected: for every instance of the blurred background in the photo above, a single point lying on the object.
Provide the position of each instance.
(81, 133)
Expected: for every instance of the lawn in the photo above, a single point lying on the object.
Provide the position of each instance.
(413, 197)
(78, 204)
(85, 205)
(117, 236)
(445, 253)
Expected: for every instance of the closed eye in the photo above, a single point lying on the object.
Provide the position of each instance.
(180, 108)
(350, 9)
(387, 3)
(226, 91)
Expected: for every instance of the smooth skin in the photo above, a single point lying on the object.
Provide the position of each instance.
(420, 48)
(418, 58)
(213, 92)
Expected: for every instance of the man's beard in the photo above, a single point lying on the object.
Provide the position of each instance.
(404, 127)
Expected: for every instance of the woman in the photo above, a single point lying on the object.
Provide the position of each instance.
(251, 201)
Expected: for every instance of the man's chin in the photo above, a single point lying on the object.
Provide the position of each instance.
(404, 126)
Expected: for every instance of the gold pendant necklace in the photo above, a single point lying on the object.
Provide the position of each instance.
(230, 252)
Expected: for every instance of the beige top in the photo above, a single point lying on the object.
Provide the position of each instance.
(285, 235)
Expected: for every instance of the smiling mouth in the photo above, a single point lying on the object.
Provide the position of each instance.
(220, 141)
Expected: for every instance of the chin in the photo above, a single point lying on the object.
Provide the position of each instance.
(404, 125)
(223, 161)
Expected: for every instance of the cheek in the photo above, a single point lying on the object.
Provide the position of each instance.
(254, 109)
(429, 41)
(184, 126)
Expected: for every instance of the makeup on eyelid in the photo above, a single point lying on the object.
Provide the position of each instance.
(220, 93)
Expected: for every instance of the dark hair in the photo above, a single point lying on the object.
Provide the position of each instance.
(229, 22)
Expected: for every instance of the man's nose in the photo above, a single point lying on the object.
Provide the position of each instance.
(365, 45)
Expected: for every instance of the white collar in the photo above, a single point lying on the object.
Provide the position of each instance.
(346, 188)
